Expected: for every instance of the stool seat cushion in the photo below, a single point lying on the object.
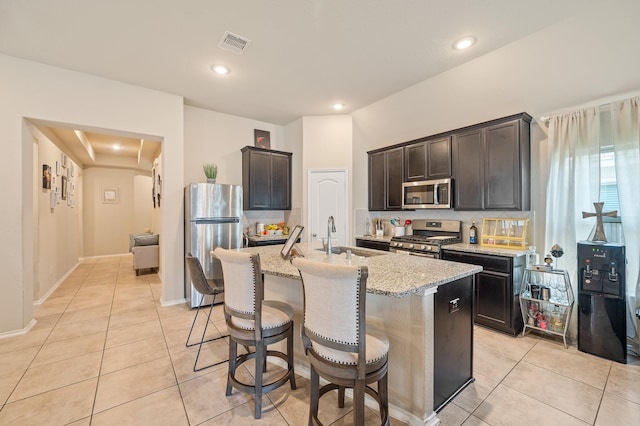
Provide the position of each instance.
(377, 346)
(274, 314)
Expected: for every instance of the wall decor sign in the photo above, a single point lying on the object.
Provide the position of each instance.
(110, 195)
(57, 168)
(262, 138)
(46, 176)
(63, 159)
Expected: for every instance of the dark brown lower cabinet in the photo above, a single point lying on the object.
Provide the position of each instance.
(497, 289)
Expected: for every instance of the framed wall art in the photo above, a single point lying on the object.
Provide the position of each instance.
(110, 195)
(64, 187)
(46, 176)
(262, 138)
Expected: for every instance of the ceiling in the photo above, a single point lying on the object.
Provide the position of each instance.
(303, 55)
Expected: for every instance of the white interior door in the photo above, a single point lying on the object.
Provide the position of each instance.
(328, 197)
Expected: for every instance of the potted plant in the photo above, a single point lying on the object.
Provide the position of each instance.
(210, 171)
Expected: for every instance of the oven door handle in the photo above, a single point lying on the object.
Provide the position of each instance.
(436, 194)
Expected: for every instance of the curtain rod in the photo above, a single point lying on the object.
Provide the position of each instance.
(546, 118)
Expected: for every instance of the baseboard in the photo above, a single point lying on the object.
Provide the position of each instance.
(20, 332)
(55, 286)
(166, 303)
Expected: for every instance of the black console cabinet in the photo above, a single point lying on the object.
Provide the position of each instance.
(266, 179)
(497, 291)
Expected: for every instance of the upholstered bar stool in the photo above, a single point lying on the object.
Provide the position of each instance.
(253, 322)
(206, 288)
(335, 338)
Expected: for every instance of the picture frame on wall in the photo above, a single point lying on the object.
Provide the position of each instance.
(110, 195)
(57, 168)
(46, 176)
(262, 138)
(64, 187)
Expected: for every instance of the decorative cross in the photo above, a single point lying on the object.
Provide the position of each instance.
(599, 235)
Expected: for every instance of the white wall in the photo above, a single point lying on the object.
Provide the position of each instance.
(217, 138)
(31, 90)
(585, 59)
(57, 231)
(326, 144)
(108, 225)
(142, 203)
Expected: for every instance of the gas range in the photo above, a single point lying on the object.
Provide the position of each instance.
(428, 236)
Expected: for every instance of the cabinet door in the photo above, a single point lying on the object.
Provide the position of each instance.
(468, 154)
(439, 158)
(376, 181)
(502, 167)
(415, 162)
(280, 182)
(493, 299)
(259, 169)
(393, 168)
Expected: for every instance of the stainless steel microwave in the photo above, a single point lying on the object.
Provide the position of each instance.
(427, 194)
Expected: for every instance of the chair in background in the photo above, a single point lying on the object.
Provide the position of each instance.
(336, 341)
(253, 322)
(146, 252)
(206, 288)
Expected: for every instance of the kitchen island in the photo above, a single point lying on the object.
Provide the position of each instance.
(401, 292)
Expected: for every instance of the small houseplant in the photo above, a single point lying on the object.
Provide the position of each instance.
(210, 171)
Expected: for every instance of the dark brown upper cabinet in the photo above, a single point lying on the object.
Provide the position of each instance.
(266, 179)
(492, 165)
(428, 159)
(385, 179)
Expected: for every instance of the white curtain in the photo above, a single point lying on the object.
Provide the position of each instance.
(625, 129)
(573, 186)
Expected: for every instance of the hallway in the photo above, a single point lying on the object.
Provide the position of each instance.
(105, 352)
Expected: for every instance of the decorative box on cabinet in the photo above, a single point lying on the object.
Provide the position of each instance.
(385, 179)
(546, 301)
(491, 165)
(266, 179)
(497, 289)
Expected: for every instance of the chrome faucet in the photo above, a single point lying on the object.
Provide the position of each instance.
(331, 227)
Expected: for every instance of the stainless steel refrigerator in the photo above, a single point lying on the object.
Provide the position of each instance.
(213, 218)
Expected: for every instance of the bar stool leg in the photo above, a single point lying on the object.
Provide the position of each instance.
(260, 361)
(315, 396)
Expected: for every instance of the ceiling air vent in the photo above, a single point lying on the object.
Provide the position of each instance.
(234, 43)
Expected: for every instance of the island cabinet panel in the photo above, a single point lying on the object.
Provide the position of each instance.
(497, 289)
(428, 159)
(385, 179)
(266, 179)
(491, 165)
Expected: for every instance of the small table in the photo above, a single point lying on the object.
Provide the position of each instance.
(546, 301)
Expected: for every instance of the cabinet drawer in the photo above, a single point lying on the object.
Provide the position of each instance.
(488, 263)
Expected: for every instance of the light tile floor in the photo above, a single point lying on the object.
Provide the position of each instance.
(104, 351)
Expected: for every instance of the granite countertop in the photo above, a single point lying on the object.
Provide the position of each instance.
(385, 238)
(477, 248)
(390, 274)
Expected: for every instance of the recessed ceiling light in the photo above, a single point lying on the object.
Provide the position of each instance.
(116, 147)
(220, 69)
(464, 43)
(338, 106)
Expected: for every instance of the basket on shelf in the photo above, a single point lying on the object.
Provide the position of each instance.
(505, 233)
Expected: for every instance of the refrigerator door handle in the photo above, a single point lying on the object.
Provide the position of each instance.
(201, 221)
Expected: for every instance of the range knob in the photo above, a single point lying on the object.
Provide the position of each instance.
(428, 248)
(423, 247)
(410, 246)
(393, 244)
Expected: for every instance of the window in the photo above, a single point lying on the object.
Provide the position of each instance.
(608, 185)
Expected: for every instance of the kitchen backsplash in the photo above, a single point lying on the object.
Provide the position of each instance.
(466, 217)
